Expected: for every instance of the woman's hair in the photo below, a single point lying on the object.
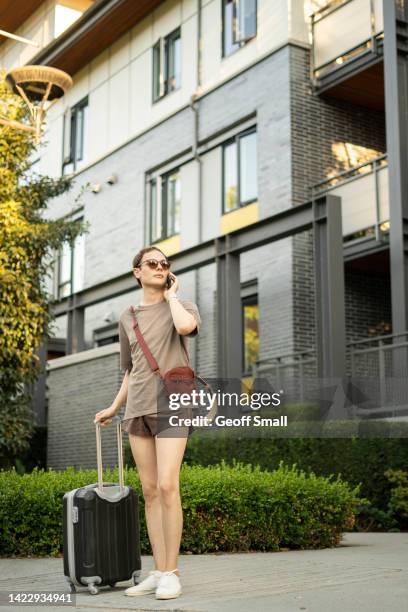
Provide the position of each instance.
(139, 256)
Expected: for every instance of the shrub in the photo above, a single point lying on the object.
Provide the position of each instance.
(226, 508)
(357, 460)
(399, 493)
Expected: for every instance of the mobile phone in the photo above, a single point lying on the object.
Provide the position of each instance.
(169, 281)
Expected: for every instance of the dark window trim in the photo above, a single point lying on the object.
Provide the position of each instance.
(235, 139)
(173, 36)
(242, 43)
(71, 280)
(108, 334)
(164, 70)
(72, 135)
(163, 181)
(252, 300)
(157, 45)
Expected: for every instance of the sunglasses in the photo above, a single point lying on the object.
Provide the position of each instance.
(153, 263)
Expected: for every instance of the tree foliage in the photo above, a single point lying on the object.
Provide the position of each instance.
(28, 240)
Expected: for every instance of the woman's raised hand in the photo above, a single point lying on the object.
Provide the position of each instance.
(104, 417)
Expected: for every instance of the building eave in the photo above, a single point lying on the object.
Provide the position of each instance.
(99, 27)
(13, 14)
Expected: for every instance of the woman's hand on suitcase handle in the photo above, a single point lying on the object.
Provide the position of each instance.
(104, 417)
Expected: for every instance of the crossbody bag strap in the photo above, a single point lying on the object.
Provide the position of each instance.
(152, 362)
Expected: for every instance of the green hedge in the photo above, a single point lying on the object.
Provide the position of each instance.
(357, 460)
(226, 508)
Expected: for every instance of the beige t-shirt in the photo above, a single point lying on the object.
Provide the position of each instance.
(165, 343)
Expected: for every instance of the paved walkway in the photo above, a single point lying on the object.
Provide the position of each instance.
(367, 572)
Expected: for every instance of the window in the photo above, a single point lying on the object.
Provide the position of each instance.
(75, 137)
(71, 262)
(106, 334)
(238, 24)
(250, 330)
(165, 200)
(166, 65)
(240, 182)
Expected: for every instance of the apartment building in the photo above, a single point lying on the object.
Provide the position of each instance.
(191, 122)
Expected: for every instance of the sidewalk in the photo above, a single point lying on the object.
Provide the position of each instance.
(368, 572)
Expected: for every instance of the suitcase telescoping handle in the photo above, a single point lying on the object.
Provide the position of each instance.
(120, 453)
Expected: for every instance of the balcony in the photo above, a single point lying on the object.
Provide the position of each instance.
(347, 51)
(375, 393)
(363, 190)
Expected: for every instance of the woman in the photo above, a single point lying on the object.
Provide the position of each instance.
(157, 448)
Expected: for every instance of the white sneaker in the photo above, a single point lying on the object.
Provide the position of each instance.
(148, 585)
(169, 586)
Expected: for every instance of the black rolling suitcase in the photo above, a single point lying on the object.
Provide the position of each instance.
(101, 530)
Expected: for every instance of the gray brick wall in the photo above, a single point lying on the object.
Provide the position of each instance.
(75, 393)
(368, 304)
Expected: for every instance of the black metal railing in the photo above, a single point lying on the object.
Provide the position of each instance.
(369, 365)
(371, 39)
(380, 228)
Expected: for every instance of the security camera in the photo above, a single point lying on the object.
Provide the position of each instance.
(109, 317)
(112, 179)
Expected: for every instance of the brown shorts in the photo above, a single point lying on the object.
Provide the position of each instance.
(159, 425)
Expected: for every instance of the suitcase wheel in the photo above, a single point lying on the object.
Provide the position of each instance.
(93, 589)
(136, 576)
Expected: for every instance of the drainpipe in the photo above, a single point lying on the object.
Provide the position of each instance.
(194, 104)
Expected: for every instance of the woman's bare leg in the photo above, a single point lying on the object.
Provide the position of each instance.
(169, 452)
(144, 454)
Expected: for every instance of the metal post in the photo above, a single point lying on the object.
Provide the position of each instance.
(75, 327)
(329, 275)
(302, 382)
(396, 87)
(40, 386)
(381, 367)
(377, 201)
(229, 319)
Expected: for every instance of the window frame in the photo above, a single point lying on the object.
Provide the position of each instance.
(71, 115)
(161, 182)
(72, 280)
(163, 46)
(236, 139)
(241, 43)
(107, 334)
(252, 299)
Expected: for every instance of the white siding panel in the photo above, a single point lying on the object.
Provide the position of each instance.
(188, 59)
(189, 204)
(142, 37)
(119, 54)
(211, 193)
(188, 9)
(167, 17)
(51, 159)
(141, 92)
(99, 69)
(98, 121)
(119, 107)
